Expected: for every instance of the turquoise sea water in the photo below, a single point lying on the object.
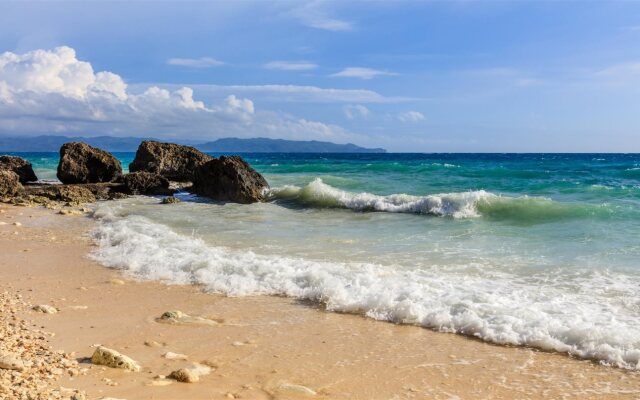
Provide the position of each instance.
(537, 249)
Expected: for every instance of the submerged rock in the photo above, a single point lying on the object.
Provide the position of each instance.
(112, 358)
(230, 179)
(190, 374)
(173, 161)
(20, 166)
(178, 317)
(149, 183)
(81, 163)
(9, 183)
(170, 200)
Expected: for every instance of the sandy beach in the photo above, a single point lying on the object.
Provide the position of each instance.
(256, 347)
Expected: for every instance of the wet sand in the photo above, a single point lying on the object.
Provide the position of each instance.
(259, 347)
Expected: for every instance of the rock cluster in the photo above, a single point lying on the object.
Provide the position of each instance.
(28, 365)
(81, 163)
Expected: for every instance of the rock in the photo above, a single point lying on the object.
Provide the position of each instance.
(174, 162)
(81, 163)
(143, 182)
(9, 183)
(190, 374)
(44, 308)
(20, 166)
(70, 212)
(298, 389)
(111, 358)
(178, 317)
(69, 194)
(170, 200)
(10, 361)
(174, 356)
(230, 179)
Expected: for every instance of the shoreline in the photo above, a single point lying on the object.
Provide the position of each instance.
(259, 347)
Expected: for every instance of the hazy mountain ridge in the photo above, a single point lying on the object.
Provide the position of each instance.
(225, 145)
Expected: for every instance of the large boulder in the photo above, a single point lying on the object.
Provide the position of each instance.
(20, 166)
(9, 183)
(142, 182)
(81, 163)
(229, 179)
(173, 161)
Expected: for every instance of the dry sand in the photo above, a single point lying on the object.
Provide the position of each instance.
(258, 347)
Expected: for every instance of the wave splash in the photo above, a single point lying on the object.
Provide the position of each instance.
(470, 204)
(566, 313)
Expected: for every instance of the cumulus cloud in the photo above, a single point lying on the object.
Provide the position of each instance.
(291, 65)
(353, 111)
(52, 91)
(411, 116)
(203, 62)
(359, 72)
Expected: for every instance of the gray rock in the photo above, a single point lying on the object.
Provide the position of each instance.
(230, 179)
(81, 163)
(150, 183)
(20, 166)
(174, 162)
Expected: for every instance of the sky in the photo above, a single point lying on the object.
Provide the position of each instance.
(408, 76)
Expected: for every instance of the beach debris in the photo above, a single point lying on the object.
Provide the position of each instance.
(45, 308)
(178, 317)
(111, 358)
(81, 163)
(190, 374)
(170, 200)
(169, 355)
(10, 361)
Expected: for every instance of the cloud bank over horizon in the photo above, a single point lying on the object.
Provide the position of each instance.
(52, 91)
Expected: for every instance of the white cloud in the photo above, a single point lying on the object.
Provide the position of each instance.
(313, 15)
(411, 116)
(203, 62)
(296, 93)
(353, 111)
(291, 65)
(362, 73)
(45, 91)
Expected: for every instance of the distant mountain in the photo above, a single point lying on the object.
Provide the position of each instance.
(264, 145)
(227, 145)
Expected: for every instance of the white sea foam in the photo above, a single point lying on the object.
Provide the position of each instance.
(584, 313)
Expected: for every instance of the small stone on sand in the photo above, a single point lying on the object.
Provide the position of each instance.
(115, 281)
(44, 308)
(174, 356)
(191, 373)
(10, 361)
(112, 358)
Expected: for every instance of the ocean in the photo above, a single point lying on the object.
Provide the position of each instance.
(539, 250)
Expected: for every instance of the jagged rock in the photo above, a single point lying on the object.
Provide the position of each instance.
(111, 358)
(229, 179)
(81, 163)
(9, 183)
(170, 200)
(190, 374)
(70, 194)
(174, 162)
(20, 166)
(45, 308)
(10, 361)
(150, 183)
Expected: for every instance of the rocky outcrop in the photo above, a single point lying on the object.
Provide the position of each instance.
(111, 358)
(20, 166)
(9, 183)
(174, 162)
(69, 194)
(146, 183)
(229, 179)
(81, 163)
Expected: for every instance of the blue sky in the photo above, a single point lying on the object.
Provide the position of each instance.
(407, 76)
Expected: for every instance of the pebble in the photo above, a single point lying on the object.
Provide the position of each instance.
(17, 224)
(190, 374)
(44, 308)
(174, 356)
(111, 358)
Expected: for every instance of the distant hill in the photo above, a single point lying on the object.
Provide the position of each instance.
(264, 145)
(227, 145)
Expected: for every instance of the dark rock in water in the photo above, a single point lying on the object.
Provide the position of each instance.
(229, 179)
(146, 183)
(20, 166)
(81, 163)
(174, 162)
(9, 183)
(170, 200)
